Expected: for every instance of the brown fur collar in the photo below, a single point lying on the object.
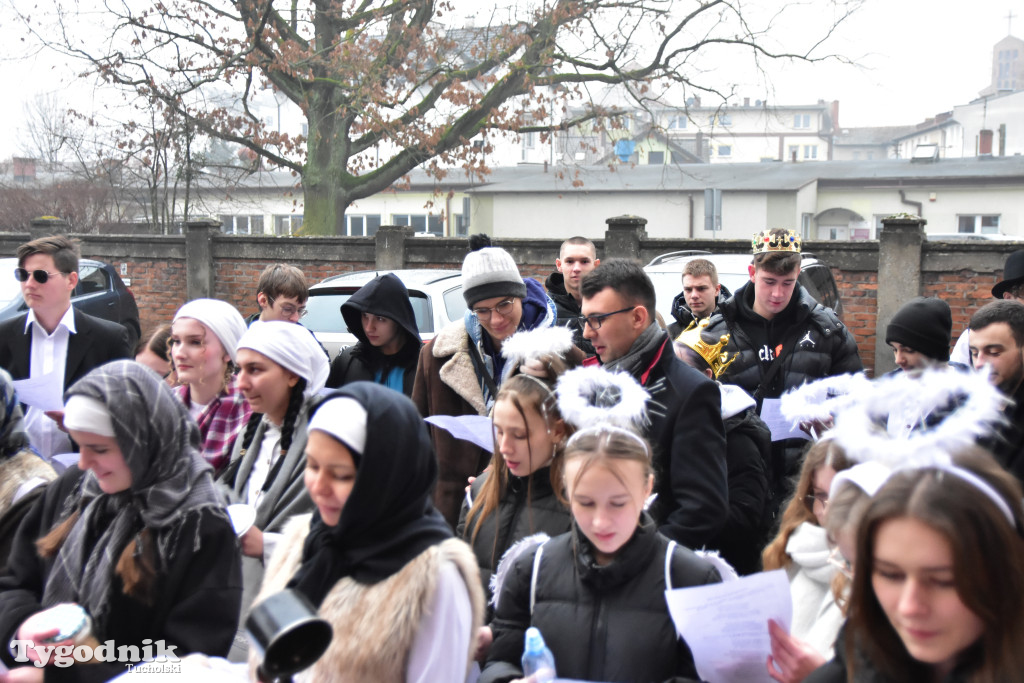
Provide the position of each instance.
(385, 614)
(458, 371)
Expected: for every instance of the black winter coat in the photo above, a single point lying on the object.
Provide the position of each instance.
(568, 311)
(603, 623)
(522, 511)
(197, 599)
(684, 317)
(385, 296)
(688, 437)
(748, 453)
(821, 344)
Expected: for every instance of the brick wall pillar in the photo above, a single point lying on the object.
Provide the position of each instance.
(390, 246)
(199, 272)
(899, 277)
(623, 237)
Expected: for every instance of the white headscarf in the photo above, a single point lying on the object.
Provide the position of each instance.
(292, 347)
(221, 318)
(344, 418)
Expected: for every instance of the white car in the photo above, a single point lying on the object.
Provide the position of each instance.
(436, 297)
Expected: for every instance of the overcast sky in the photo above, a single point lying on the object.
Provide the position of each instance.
(914, 60)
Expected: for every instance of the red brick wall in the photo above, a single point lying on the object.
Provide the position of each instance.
(858, 292)
(965, 291)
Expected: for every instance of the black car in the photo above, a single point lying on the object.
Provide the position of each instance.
(100, 292)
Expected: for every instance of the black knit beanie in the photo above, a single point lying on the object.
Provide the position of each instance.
(923, 324)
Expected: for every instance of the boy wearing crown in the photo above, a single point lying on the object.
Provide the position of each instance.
(782, 335)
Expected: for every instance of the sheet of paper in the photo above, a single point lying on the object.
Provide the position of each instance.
(771, 413)
(45, 393)
(473, 428)
(726, 624)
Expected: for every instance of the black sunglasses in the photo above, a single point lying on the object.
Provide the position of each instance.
(40, 276)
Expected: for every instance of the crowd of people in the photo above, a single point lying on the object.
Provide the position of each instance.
(232, 459)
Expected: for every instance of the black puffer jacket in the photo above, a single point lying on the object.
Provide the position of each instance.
(748, 455)
(528, 506)
(568, 311)
(386, 296)
(602, 623)
(821, 344)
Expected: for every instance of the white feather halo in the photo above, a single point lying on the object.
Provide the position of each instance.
(592, 395)
(820, 400)
(536, 343)
(935, 413)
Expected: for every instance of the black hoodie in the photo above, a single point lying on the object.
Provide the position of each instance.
(385, 295)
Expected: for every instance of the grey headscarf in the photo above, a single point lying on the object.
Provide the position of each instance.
(13, 437)
(170, 480)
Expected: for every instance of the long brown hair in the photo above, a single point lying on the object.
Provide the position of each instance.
(526, 393)
(137, 569)
(824, 452)
(988, 567)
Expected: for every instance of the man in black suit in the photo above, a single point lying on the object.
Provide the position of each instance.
(685, 420)
(53, 339)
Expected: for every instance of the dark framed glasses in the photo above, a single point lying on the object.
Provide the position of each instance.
(595, 321)
(40, 276)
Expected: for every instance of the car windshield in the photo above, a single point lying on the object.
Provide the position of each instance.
(324, 312)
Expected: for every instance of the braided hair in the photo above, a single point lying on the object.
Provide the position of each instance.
(295, 400)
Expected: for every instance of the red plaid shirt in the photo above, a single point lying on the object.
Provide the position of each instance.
(220, 424)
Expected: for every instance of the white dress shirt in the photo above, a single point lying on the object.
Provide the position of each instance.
(48, 357)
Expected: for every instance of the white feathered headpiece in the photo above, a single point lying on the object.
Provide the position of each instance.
(821, 400)
(536, 343)
(917, 420)
(589, 396)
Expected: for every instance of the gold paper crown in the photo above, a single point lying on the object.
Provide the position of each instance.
(775, 240)
(714, 354)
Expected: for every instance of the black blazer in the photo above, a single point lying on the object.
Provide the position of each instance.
(95, 342)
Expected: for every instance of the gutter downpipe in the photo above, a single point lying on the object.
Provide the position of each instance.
(918, 205)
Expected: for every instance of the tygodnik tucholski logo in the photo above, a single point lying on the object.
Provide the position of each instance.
(66, 655)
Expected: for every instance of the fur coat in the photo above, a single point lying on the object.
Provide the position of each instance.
(386, 613)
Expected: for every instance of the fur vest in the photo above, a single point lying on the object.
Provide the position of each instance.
(17, 470)
(374, 625)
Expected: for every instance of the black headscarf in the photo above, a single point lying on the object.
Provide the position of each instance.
(389, 517)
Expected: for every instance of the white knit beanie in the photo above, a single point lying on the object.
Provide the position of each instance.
(489, 273)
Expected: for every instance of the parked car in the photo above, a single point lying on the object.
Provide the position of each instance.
(969, 237)
(436, 297)
(100, 292)
(666, 272)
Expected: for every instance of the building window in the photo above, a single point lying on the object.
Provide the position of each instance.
(656, 158)
(421, 223)
(677, 122)
(529, 140)
(241, 225)
(810, 151)
(462, 219)
(287, 225)
(725, 150)
(806, 220)
(362, 225)
(985, 225)
(712, 210)
(802, 121)
(720, 119)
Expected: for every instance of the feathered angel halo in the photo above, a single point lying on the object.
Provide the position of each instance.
(537, 343)
(592, 395)
(821, 400)
(935, 413)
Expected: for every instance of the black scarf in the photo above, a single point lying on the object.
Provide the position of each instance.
(389, 517)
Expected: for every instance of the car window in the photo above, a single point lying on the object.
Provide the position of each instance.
(819, 282)
(323, 312)
(92, 280)
(454, 304)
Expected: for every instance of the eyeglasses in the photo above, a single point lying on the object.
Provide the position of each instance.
(503, 308)
(811, 499)
(595, 321)
(288, 310)
(40, 276)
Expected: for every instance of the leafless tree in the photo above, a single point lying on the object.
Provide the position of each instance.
(390, 85)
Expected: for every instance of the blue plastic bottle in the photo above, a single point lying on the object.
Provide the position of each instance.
(537, 658)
